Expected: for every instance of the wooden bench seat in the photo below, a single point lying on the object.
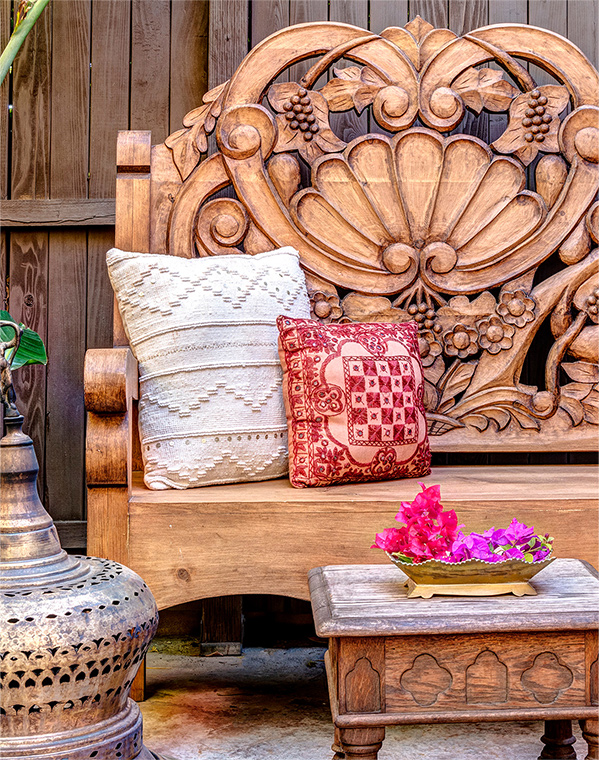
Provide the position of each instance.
(209, 538)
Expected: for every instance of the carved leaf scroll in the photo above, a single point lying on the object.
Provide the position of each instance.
(485, 88)
(352, 88)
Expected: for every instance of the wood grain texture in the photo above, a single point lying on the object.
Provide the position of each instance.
(371, 600)
(301, 12)
(69, 143)
(109, 95)
(100, 298)
(150, 59)
(65, 414)
(274, 514)
(29, 304)
(229, 33)
(436, 672)
(433, 11)
(385, 13)
(5, 29)
(189, 57)
(58, 212)
(31, 116)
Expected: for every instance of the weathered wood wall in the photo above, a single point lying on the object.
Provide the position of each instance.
(88, 69)
(92, 67)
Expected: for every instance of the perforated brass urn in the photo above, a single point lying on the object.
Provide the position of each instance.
(73, 630)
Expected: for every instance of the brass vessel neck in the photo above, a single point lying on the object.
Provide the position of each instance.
(30, 550)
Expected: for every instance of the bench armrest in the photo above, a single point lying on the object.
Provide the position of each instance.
(111, 388)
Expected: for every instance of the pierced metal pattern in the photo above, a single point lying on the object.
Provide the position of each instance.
(73, 633)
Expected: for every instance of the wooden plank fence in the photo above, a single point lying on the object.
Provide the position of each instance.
(93, 67)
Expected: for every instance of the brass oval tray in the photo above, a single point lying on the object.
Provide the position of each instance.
(472, 577)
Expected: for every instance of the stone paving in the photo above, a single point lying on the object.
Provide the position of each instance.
(272, 704)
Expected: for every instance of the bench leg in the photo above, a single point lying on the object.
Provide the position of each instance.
(362, 743)
(590, 732)
(558, 741)
(138, 687)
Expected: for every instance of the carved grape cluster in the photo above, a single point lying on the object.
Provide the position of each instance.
(299, 114)
(424, 315)
(536, 121)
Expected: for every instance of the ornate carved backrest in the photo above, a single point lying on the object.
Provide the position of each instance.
(414, 221)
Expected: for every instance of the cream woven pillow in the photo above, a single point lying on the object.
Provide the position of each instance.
(203, 331)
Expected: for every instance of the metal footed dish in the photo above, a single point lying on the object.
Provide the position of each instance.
(472, 577)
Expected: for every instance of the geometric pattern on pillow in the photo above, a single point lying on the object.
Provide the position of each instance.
(354, 402)
(204, 334)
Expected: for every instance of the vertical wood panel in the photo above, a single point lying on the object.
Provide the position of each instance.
(433, 11)
(69, 143)
(150, 64)
(189, 58)
(301, 12)
(4, 36)
(28, 303)
(268, 16)
(28, 251)
(549, 14)
(4, 126)
(67, 255)
(384, 13)
(583, 27)
(31, 112)
(229, 33)
(100, 298)
(109, 106)
(109, 112)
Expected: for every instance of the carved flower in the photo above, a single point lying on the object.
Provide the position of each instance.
(429, 347)
(534, 123)
(461, 341)
(516, 307)
(302, 121)
(494, 334)
(325, 307)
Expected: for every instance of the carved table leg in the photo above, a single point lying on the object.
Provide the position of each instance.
(590, 732)
(336, 746)
(558, 741)
(362, 743)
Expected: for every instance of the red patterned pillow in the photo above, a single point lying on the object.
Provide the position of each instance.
(353, 397)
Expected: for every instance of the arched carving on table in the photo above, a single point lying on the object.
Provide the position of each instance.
(415, 223)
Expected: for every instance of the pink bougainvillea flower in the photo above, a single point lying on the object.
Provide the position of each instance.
(389, 540)
(430, 532)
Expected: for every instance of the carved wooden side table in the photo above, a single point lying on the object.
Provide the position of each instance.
(394, 661)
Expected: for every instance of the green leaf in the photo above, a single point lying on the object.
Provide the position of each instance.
(31, 348)
(528, 557)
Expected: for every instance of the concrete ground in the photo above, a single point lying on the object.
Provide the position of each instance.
(272, 704)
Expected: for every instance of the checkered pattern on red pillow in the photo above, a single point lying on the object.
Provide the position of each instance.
(353, 398)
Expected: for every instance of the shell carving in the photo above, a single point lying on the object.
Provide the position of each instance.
(418, 204)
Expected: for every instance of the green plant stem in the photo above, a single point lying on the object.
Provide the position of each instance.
(18, 36)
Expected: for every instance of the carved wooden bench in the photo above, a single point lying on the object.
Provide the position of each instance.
(408, 221)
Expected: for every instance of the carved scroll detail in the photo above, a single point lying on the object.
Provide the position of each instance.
(421, 225)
